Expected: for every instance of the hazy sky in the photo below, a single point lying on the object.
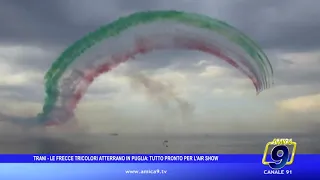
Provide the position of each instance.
(33, 33)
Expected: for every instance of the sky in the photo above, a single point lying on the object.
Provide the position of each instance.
(202, 94)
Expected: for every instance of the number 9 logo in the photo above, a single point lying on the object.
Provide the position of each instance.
(280, 156)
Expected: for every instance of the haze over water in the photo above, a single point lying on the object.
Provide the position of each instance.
(151, 143)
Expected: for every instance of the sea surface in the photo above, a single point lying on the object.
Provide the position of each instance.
(253, 143)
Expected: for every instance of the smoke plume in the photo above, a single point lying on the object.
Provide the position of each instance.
(163, 92)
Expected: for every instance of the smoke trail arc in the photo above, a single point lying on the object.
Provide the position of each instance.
(102, 50)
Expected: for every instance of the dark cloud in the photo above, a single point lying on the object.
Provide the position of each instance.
(36, 23)
(288, 24)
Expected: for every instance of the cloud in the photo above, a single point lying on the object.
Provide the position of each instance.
(301, 104)
(304, 68)
(214, 71)
(26, 57)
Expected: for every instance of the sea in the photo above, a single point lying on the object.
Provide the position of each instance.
(113, 143)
